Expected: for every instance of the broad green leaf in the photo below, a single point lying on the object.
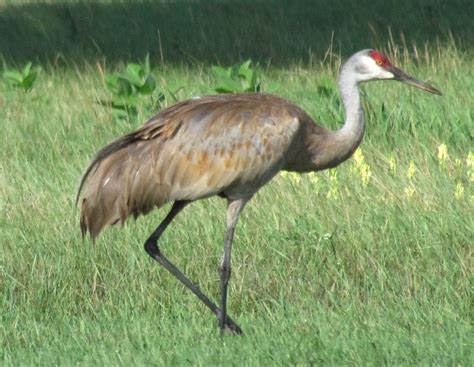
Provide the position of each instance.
(124, 87)
(254, 78)
(13, 76)
(111, 81)
(220, 72)
(29, 80)
(118, 85)
(233, 72)
(147, 64)
(229, 86)
(225, 82)
(245, 66)
(121, 113)
(127, 101)
(134, 74)
(149, 86)
(26, 69)
(246, 72)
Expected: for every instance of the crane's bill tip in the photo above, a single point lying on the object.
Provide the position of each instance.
(421, 85)
(428, 88)
(401, 76)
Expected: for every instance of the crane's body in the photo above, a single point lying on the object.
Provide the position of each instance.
(227, 145)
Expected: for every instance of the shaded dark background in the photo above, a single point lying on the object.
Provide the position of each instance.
(281, 32)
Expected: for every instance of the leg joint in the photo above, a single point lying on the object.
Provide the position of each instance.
(151, 247)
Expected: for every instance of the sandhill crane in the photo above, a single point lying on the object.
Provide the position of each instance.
(227, 145)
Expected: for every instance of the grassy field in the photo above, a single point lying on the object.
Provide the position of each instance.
(370, 263)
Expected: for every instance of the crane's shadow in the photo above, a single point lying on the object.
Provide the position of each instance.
(283, 32)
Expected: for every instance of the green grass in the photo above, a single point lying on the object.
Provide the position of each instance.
(326, 270)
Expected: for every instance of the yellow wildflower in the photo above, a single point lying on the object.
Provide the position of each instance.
(386, 198)
(362, 167)
(442, 154)
(392, 164)
(470, 159)
(459, 191)
(457, 163)
(358, 157)
(313, 178)
(411, 170)
(409, 191)
(294, 177)
(365, 173)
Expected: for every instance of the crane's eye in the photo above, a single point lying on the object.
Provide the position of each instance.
(379, 62)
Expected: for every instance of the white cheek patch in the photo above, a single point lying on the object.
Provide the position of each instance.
(367, 65)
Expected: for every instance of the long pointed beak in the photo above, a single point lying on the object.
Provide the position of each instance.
(401, 76)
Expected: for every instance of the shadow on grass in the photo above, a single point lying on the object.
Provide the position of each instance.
(222, 31)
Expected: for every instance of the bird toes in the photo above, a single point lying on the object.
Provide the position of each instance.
(232, 327)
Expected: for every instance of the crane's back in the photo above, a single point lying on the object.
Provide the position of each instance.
(229, 145)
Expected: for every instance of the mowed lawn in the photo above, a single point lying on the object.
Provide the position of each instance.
(370, 263)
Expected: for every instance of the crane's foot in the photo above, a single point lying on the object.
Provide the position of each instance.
(232, 327)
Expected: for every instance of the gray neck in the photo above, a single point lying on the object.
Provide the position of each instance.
(334, 147)
(351, 133)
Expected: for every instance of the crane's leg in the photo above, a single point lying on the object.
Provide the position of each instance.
(234, 207)
(151, 247)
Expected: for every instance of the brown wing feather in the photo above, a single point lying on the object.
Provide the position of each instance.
(225, 144)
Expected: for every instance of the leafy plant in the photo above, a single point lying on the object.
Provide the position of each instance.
(236, 79)
(129, 87)
(23, 79)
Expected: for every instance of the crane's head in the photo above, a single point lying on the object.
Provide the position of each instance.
(370, 65)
